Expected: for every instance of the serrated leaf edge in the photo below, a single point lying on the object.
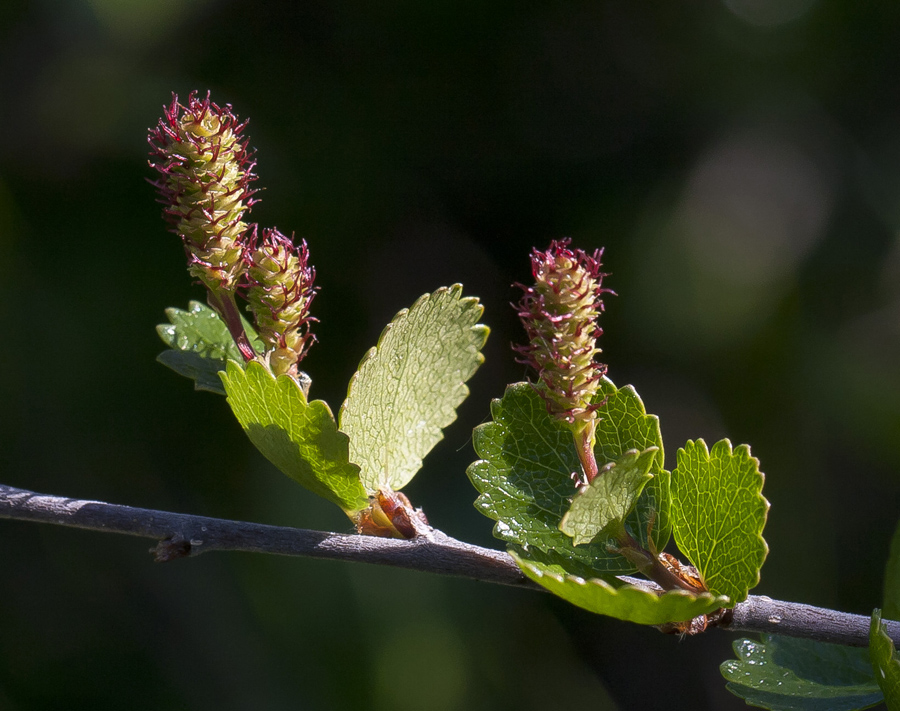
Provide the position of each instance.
(725, 442)
(578, 539)
(160, 358)
(171, 312)
(715, 601)
(228, 373)
(630, 389)
(878, 633)
(482, 501)
(455, 290)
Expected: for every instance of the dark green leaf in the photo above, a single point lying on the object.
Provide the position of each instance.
(300, 438)
(610, 497)
(718, 515)
(203, 371)
(200, 345)
(408, 387)
(525, 484)
(786, 674)
(884, 663)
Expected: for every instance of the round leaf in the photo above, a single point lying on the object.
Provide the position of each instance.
(718, 515)
(525, 484)
(786, 674)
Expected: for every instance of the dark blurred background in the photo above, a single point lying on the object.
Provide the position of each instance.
(740, 162)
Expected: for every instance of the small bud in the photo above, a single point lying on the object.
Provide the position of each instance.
(390, 514)
(560, 314)
(280, 293)
(205, 171)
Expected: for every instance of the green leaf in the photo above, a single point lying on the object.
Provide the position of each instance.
(891, 604)
(625, 425)
(525, 484)
(408, 387)
(625, 602)
(610, 497)
(885, 665)
(787, 674)
(300, 438)
(203, 371)
(718, 515)
(200, 345)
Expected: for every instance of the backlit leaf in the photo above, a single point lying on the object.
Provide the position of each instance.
(718, 515)
(610, 497)
(300, 438)
(884, 663)
(408, 387)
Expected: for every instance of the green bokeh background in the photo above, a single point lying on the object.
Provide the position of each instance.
(740, 161)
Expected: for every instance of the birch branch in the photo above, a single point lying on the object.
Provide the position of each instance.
(184, 535)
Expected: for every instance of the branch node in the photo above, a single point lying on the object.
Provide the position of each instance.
(171, 549)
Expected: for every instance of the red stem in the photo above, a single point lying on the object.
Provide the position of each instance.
(584, 443)
(223, 302)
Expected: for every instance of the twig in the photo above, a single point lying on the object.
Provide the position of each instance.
(183, 535)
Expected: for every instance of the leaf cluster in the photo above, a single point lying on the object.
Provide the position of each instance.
(574, 541)
(406, 391)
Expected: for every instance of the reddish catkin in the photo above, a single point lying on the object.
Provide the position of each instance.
(560, 315)
(205, 169)
(280, 291)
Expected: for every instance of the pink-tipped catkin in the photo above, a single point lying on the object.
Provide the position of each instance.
(560, 315)
(205, 171)
(280, 292)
